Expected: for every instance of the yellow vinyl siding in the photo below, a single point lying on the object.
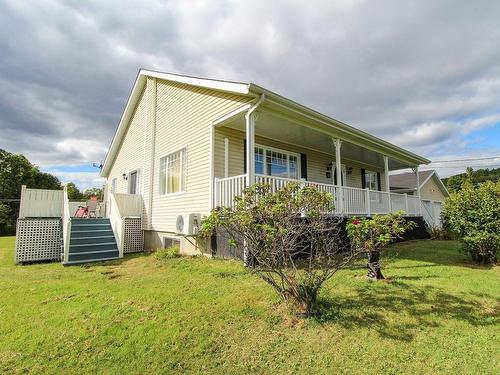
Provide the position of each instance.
(130, 155)
(317, 162)
(184, 119)
(431, 191)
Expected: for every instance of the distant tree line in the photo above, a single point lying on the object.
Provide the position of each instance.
(15, 171)
(475, 177)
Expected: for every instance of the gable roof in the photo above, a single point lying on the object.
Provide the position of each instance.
(253, 90)
(408, 181)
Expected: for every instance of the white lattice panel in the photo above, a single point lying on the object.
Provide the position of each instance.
(38, 239)
(133, 239)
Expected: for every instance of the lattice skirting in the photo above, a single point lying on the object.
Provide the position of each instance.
(38, 239)
(134, 236)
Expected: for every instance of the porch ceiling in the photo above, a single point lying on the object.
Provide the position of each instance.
(274, 126)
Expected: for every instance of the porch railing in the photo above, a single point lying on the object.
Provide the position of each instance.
(355, 201)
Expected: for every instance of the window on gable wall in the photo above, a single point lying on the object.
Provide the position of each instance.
(173, 173)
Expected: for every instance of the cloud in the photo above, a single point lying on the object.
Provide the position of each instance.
(83, 180)
(422, 74)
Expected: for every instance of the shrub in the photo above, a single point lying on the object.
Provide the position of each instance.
(162, 255)
(369, 235)
(473, 214)
(286, 240)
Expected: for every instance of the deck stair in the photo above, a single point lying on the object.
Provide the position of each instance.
(91, 240)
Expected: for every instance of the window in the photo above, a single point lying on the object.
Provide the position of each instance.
(371, 180)
(113, 185)
(171, 242)
(173, 173)
(134, 182)
(274, 162)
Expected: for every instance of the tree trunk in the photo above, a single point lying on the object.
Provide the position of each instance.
(373, 265)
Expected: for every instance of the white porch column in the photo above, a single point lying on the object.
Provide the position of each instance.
(387, 183)
(419, 208)
(250, 144)
(226, 157)
(338, 170)
(418, 181)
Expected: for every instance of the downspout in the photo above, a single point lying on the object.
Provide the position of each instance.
(250, 134)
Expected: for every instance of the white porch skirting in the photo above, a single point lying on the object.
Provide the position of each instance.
(38, 239)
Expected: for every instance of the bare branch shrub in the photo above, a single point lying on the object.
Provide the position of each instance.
(287, 238)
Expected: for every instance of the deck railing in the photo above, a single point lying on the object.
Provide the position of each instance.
(66, 224)
(351, 201)
(40, 203)
(122, 207)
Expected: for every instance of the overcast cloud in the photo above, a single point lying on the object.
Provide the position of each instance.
(422, 74)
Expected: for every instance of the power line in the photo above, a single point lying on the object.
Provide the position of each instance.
(430, 167)
(472, 159)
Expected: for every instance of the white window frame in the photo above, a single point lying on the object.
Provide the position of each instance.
(288, 154)
(138, 184)
(113, 185)
(183, 172)
(375, 174)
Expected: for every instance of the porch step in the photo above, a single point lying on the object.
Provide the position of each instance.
(93, 233)
(91, 240)
(77, 220)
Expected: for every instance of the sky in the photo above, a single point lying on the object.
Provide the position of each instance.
(424, 75)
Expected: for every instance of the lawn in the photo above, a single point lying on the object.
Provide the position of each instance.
(437, 314)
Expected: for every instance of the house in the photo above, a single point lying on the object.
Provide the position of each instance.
(430, 188)
(187, 144)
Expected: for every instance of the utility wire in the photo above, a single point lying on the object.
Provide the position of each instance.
(459, 160)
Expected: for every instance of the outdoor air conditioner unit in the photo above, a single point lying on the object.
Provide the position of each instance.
(188, 224)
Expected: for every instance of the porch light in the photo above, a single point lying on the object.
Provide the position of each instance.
(125, 176)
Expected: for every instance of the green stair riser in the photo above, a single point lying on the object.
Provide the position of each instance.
(90, 227)
(95, 247)
(91, 240)
(89, 221)
(94, 256)
(91, 233)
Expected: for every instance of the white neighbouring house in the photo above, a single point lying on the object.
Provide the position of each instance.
(186, 145)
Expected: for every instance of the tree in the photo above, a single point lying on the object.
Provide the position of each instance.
(74, 194)
(287, 241)
(97, 192)
(473, 214)
(7, 221)
(370, 235)
(15, 171)
(477, 177)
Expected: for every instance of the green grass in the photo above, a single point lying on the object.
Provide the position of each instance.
(437, 314)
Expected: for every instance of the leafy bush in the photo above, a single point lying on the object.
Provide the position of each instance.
(369, 235)
(162, 255)
(473, 214)
(286, 240)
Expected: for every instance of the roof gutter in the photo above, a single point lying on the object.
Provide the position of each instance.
(256, 105)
